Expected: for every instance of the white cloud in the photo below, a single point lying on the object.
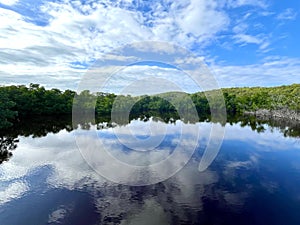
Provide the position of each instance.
(9, 2)
(260, 40)
(239, 3)
(274, 71)
(57, 55)
(288, 14)
(247, 39)
(264, 46)
(71, 36)
(240, 28)
(202, 19)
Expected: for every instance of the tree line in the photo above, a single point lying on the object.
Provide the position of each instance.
(21, 101)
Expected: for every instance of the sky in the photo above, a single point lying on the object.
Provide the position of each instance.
(242, 42)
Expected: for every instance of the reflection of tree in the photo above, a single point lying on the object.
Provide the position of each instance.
(7, 144)
(41, 126)
(38, 126)
(287, 127)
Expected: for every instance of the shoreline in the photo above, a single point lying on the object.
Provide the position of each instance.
(275, 114)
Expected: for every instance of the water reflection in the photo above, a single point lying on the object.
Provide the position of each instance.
(41, 126)
(254, 179)
(7, 144)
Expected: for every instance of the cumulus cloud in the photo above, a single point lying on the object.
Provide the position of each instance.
(78, 32)
(202, 19)
(56, 47)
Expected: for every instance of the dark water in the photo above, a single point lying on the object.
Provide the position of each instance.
(255, 178)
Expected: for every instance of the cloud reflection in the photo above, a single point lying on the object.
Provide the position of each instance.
(227, 184)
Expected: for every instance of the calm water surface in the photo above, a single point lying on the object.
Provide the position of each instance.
(255, 178)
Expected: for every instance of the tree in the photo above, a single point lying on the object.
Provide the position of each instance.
(6, 112)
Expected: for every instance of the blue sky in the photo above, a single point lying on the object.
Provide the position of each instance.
(244, 42)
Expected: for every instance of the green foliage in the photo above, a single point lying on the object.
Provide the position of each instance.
(104, 103)
(36, 100)
(6, 112)
(251, 99)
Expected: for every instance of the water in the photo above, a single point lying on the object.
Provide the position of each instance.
(254, 179)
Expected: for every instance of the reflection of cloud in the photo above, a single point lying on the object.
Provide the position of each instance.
(120, 203)
(13, 191)
(114, 202)
(251, 163)
(151, 213)
(104, 154)
(57, 215)
(269, 140)
(236, 199)
(186, 182)
(270, 186)
(70, 169)
(166, 199)
(58, 150)
(100, 152)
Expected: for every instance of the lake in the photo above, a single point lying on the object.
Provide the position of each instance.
(254, 179)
